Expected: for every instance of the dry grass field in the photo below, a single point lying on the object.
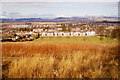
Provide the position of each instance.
(59, 60)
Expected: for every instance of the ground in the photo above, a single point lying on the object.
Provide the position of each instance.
(77, 39)
(70, 57)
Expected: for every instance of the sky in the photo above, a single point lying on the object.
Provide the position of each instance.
(60, 0)
(57, 9)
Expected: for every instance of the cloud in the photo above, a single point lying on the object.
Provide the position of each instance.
(23, 15)
(34, 4)
(4, 17)
(61, 9)
(14, 13)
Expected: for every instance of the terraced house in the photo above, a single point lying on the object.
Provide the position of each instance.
(67, 34)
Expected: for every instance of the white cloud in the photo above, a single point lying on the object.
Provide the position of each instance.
(45, 9)
(4, 17)
(63, 15)
(32, 4)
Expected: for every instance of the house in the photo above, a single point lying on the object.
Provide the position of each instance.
(66, 34)
(59, 29)
(18, 33)
(43, 34)
(76, 34)
(71, 33)
(60, 33)
(20, 26)
(55, 34)
(90, 33)
(75, 29)
(82, 34)
(51, 30)
(37, 30)
(49, 34)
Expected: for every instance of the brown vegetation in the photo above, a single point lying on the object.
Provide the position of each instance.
(17, 49)
(60, 60)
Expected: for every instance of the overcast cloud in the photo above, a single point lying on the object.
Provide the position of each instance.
(54, 9)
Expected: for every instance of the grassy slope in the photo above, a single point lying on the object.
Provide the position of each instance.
(78, 39)
(74, 57)
(60, 60)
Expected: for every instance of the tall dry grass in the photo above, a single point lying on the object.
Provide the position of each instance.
(62, 60)
(31, 48)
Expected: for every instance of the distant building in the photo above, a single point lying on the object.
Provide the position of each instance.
(66, 34)
(37, 30)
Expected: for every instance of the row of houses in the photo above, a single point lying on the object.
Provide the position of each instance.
(25, 33)
(60, 29)
(87, 33)
(66, 34)
(48, 30)
(30, 26)
(19, 26)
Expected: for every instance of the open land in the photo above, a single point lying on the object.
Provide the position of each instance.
(75, 57)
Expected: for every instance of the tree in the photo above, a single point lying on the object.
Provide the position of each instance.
(101, 38)
(63, 27)
(118, 34)
(100, 31)
(69, 29)
(107, 33)
(114, 33)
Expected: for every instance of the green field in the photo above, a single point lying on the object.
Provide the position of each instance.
(76, 39)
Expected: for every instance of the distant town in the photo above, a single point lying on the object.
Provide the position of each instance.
(28, 31)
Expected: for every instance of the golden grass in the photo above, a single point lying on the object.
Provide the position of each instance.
(61, 60)
(31, 48)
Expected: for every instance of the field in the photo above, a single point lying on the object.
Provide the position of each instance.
(77, 39)
(60, 58)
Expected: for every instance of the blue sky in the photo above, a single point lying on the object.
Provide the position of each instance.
(58, 9)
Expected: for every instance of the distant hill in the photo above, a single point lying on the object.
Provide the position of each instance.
(111, 17)
(7, 20)
(61, 18)
(21, 20)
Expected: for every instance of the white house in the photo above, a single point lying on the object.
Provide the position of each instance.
(59, 29)
(18, 33)
(37, 30)
(55, 34)
(43, 34)
(82, 34)
(76, 34)
(18, 26)
(51, 30)
(50, 34)
(60, 33)
(90, 33)
(66, 34)
(71, 33)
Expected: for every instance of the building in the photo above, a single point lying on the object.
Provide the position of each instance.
(67, 34)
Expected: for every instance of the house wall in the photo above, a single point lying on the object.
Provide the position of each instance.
(65, 34)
